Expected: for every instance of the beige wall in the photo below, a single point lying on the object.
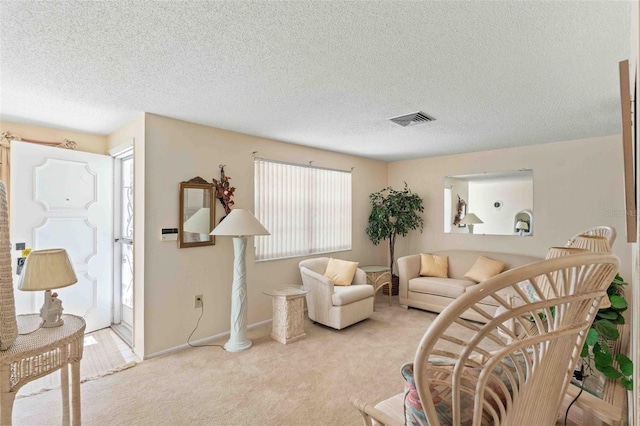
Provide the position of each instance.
(177, 151)
(576, 183)
(86, 142)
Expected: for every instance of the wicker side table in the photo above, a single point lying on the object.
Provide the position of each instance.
(41, 352)
(378, 277)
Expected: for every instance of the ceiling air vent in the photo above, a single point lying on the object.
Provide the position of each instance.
(413, 118)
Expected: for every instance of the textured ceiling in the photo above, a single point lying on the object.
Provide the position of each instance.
(324, 74)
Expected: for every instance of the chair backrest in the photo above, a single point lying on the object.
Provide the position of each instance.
(317, 265)
(597, 231)
(491, 375)
(8, 324)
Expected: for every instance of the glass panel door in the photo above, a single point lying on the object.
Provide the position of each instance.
(123, 277)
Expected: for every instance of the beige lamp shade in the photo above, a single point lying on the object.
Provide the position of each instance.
(592, 243)
(199, 222)
(240, 222)
(470, 219)
(46, 270)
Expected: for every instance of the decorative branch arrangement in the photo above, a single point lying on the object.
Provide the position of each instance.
(224, 190)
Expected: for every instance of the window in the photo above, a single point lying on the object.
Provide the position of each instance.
(306, 209)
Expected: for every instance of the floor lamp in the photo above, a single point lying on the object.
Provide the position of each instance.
(239, 224)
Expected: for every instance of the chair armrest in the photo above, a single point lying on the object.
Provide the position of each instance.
(369, 413)
(408, 268)
(360, 277)
(319, 296)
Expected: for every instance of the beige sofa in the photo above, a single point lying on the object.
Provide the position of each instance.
(434, 294)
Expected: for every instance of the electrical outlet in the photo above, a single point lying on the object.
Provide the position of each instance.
(198, 301)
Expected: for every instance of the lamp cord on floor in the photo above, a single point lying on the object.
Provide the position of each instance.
(196, 327)
(582, 379)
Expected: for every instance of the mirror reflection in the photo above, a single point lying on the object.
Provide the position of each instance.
(499, 203)
(197, 212)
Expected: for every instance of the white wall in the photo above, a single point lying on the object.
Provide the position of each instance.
(177, 151)
(514, 194)
(577, 184)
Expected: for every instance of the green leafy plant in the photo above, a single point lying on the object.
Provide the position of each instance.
(393, 213)
(595, 351)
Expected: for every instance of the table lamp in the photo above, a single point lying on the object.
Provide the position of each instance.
(239, 224)
(470, 219)
(47, 270)
(199, 223)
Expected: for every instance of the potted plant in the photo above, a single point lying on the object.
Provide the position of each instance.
(596, 351)
(393, 213)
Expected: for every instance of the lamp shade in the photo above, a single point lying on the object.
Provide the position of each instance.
(522, 225)
(592, 243)
(239, 222)
(470, 219)
(46, 270)
(199, 222)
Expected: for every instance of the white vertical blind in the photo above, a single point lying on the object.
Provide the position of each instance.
(307, 210)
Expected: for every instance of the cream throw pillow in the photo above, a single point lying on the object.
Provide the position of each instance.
(434, 266)
(483, 269)
(340, 272)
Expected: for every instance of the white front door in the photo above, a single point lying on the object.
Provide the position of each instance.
(64, 198)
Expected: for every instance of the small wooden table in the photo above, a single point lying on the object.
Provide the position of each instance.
(288, 314)
(38, 352)
(378, 277)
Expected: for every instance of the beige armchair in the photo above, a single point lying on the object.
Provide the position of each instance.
(335, 306)
(478, 374)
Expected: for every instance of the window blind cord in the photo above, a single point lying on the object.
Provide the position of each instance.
(196, 327)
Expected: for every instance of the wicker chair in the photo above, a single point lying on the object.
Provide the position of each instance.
(476, 374)
(597, 231)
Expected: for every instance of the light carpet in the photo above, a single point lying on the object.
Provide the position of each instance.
(101, 357)
(308, 382)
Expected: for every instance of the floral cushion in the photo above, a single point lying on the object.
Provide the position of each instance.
(440, 377)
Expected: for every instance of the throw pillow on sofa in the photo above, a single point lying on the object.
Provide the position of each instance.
(434, 266)
(483, 269)
(340, 272)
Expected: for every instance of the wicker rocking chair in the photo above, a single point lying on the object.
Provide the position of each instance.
(467, 373)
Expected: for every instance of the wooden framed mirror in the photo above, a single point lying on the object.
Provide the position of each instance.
(197, 213)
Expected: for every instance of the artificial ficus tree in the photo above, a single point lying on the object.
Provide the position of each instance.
(393, 213)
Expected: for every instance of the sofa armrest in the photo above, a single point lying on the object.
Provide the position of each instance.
(408, 268)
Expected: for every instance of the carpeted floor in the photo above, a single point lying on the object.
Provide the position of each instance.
(308, 382)
(101, 357)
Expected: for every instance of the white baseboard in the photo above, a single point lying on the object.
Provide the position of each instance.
(202, 341)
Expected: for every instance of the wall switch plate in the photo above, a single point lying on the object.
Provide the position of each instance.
(169, 234)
